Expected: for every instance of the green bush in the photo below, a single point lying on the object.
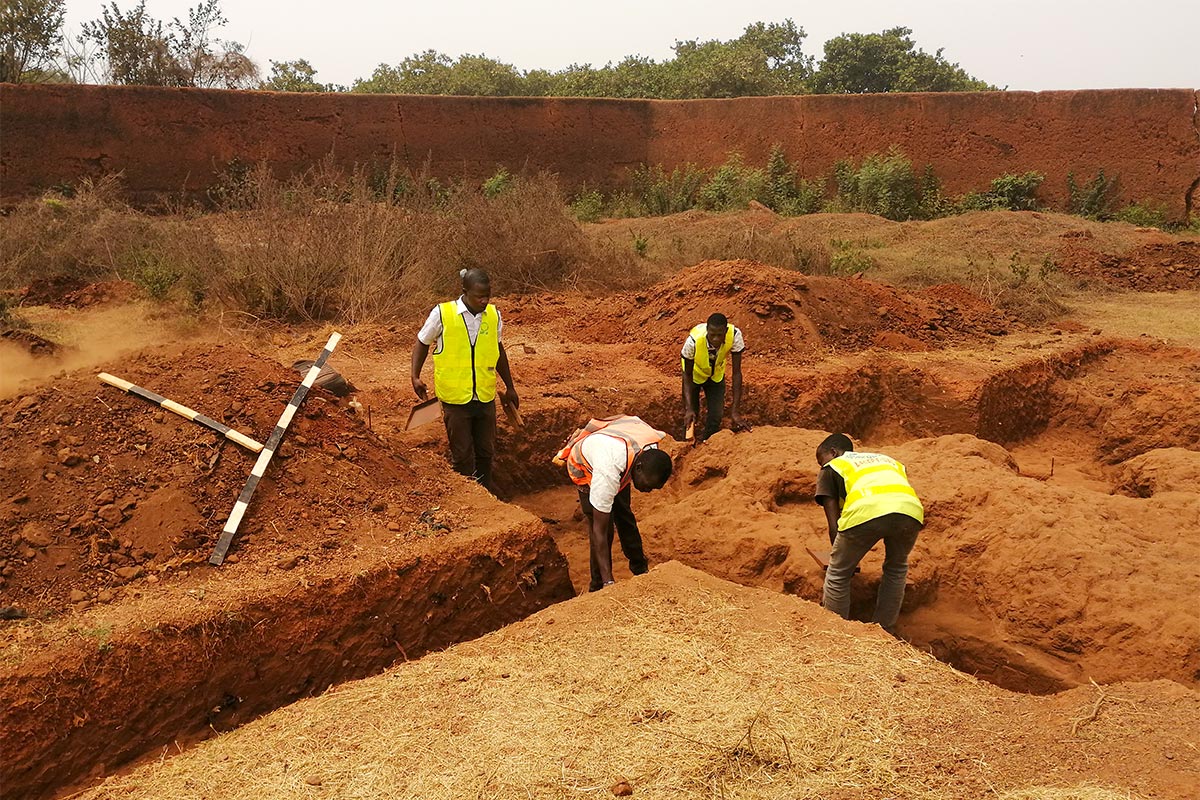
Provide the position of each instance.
(788, 194)
(588, 205)
(498, 183)
(656, 193)
(1095, 199)
(733, 185)
(847, 259)
(151, 270)
(1144, 215)
(1009, 192)
(883, 185)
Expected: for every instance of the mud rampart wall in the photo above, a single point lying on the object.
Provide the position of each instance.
(177, 140)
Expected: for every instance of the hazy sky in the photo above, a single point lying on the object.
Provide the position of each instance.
(1021, 44)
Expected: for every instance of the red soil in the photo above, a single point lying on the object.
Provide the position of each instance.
(1149, 268)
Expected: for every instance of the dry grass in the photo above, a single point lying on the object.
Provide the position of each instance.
(1166, 316)
(680, 684)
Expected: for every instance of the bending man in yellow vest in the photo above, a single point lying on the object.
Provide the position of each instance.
(604, 458)
(866, 497)
(706, 351)
(467, 357)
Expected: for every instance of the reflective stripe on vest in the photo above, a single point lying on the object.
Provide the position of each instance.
(462, 370)
(702, 371)
(636, 434)
(875, 485)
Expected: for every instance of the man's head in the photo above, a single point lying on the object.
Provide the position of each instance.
(833, 446)
(718, 328)
(477, 289)
(651, 470)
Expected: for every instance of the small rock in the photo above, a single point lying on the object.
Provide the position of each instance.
(287, 563)
(18, 499)
(188, 543)
(105, 596)
(232, 559)
(68, 458)
(64, 420)
(622, 789)
(393, 526)
(110, 514)
(128, 573)
(151, 579)
(105, 498)
(12, 612)
(78, 596)
(28, 553)
(313, 780)
(36, 535)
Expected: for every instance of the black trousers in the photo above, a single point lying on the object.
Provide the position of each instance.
(471, 429)
(627, 531)
(714, 400)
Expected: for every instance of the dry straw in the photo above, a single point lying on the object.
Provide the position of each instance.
(678, 683)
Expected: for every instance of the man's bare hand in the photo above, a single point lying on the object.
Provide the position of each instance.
(738, 424)
(420, 388)
(689, 420)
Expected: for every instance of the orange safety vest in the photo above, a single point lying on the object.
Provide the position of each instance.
(636, 434)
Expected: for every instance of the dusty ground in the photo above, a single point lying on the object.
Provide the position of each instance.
(1058, 462)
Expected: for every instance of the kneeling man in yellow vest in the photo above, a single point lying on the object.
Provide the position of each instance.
(866, 497)
(706, 351)
(604, 458)
(467, 357)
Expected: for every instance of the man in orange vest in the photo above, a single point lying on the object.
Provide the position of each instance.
(706, 351)
(468, 357)
(866, 497)
(604, 459)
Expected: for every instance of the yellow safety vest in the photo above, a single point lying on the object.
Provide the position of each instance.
(701, 369)
(875, 485)
(462, 370)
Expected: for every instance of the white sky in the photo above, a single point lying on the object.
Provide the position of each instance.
(1021, 44)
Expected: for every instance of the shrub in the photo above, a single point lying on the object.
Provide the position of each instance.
(733, 185)
(1095, 199)
(1143, 215)
(1009, 192)
(588, 205)
(883, 185)
(498, 183)
(656, 193)
(848, 259)
(787, 194)
(151, 270)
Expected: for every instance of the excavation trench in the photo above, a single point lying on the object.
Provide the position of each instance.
(85, 704)
(772, 523)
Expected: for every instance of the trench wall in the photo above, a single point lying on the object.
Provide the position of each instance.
(176, 140)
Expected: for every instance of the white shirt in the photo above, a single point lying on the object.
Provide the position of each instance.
(431, 331)
(689, 346)
(608, 456)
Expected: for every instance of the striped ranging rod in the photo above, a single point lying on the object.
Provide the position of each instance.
(183, 411)
(264, 458)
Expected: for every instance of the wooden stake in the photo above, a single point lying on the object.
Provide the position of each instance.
(183, 411)
(264, 458)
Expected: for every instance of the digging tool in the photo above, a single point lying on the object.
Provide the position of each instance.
(183, 411)
(423, 413)
(511, 412)
(264, 458)
(822, 559)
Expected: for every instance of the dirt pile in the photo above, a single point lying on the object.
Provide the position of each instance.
(679, 685)
(64, 291)
(789, 314)
(103, 492)
(1150, 268)
(1171, 469)
(1031, 585)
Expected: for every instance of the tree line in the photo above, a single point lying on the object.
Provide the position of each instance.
(131, 47)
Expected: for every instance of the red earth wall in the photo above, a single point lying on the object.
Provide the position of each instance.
(173, 140)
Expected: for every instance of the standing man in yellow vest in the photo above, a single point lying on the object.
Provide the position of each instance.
(706, 351)
(604, 458)
(866, 497)
(467, 357)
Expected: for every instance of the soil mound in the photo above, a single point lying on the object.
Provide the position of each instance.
(1030, 584)
(1172, 469)
(1150, 268)
(64, 291)
(103, 491)
(1163, 416)
(790, 314)
(29, 342)
(679, 685)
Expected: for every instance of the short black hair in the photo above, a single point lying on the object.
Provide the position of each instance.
(836, 441)
(656, 466)
(476, 276)
(718, 321)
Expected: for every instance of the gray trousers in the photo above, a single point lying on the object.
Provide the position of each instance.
(899, 534)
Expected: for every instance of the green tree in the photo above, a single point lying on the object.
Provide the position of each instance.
(766, 59)
(30, 38)
(857, 63)
(134, 48)
(295, 76)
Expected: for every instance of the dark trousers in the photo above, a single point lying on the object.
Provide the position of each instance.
(714, 400)
(471, 429)
(627, 531)
(899, 534)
